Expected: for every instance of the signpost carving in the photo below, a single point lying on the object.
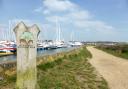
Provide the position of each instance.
(26, 38)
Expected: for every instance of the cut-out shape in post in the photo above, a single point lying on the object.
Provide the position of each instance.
(26, 39)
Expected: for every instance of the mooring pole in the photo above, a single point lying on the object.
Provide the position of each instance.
(26, 40)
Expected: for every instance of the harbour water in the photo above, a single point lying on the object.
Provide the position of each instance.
(39, 53)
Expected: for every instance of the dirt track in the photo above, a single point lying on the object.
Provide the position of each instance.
(113, 69)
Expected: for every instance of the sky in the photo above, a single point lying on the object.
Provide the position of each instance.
(82, 20)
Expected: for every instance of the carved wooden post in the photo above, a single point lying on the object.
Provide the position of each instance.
(26, 38)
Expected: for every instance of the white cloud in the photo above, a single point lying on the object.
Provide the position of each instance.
(38, 9)
(79, 15)
(95, 25)
(54, 19)
(41, 10)
(46, 12)
(59, 5)
(55, 6)
(71, 14)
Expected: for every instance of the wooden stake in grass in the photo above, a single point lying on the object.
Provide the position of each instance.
(26, 38)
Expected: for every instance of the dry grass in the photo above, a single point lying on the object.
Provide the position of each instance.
(70, 70)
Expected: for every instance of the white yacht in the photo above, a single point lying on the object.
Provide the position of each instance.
(75, 43)
(58, 43)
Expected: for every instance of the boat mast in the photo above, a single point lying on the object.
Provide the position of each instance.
(9, 31)
(57, 31)
(72, 35)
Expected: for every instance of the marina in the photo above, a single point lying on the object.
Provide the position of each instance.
(10, 56)
(8, 46)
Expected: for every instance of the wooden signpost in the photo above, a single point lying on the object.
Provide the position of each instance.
(26, 38)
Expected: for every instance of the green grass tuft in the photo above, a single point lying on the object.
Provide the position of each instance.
(116, 50)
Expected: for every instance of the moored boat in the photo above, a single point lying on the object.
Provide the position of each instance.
(7, 48)
(75, 43)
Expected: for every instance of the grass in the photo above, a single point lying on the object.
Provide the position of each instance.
(9, 78)
(116, 50)
(70, 70)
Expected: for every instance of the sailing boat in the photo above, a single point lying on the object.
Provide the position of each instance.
(7, 47)
(73, 43)
(58, 43)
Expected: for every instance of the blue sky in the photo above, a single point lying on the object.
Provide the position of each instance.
(89, 20)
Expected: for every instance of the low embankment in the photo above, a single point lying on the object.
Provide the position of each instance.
(117, 50)
(69, 70)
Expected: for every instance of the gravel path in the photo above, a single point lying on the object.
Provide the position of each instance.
(113, 69)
